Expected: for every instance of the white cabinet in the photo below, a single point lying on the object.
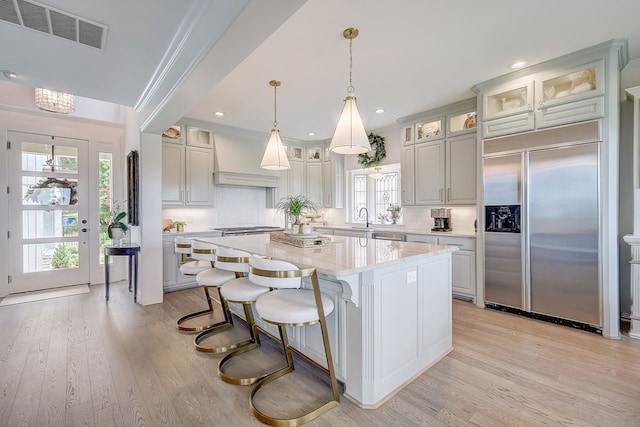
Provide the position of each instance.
(463, 261)
(553, 97)
(315, 172)
(187, 175)
(315, 183)
(187, 167)
(442, 170)
(429, 173)
(461, 166)
(363, 234)
(408, 177)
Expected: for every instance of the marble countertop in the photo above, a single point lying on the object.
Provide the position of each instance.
(193, 230)
(342, 257)
(401, 229)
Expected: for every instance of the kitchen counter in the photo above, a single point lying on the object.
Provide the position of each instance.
(392, 319)
(193, 230)
(398, 229)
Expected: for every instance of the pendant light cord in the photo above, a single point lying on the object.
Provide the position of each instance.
(275, 120)
(350, 88)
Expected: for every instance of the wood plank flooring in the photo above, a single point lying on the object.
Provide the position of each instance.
(78, 361)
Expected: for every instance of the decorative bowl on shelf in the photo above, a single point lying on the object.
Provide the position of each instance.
(582, 87)
(510, 103)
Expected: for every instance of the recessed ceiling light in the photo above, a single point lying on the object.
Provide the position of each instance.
(380, 110)
(9, 74)
(219, 113)
(311, 133)
(518, 64)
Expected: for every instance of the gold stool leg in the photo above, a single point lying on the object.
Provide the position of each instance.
(183, 319)
(282, 422)
(253, 329)
(219, 327)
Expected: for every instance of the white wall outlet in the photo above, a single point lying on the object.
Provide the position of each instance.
(412, 276)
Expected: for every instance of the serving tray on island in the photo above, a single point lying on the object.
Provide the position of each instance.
(306, 242)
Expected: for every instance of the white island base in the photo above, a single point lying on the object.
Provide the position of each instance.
(393, 309)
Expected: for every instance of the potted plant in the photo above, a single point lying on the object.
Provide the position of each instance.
(180, 226)
(395, 211)
(116, 227)
(293, 207)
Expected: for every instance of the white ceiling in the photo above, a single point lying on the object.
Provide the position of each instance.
(190, 58)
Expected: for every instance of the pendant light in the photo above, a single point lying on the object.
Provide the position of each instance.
(55, 102)
(350, 136)
(275, 157)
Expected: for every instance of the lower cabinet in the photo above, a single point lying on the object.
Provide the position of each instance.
(463, 261)
(172, 279)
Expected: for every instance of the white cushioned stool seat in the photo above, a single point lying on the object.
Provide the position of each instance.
(291, 306)
(192, 268)
(242, 290)
(214, 277)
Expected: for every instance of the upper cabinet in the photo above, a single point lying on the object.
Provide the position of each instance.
(429, 130)
(197, 137)
(562, 91)
(187, 167)
(316, 172)
(438, 157)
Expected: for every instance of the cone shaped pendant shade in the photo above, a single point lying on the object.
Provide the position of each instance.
(275, 157)
(350, 136)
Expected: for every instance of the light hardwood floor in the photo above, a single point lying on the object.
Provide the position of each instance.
(80, 361)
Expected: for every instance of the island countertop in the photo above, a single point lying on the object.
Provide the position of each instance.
(392, 318)
(342, 257)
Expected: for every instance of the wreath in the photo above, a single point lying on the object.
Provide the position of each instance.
(379, 152)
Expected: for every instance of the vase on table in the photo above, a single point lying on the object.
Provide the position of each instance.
(117, 235)
(395, 216)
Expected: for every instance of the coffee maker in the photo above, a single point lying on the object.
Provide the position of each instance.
(441, 219)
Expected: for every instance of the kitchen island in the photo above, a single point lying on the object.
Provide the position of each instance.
(392, 319)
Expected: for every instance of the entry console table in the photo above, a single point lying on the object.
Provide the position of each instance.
(393, 308)
(131, 250)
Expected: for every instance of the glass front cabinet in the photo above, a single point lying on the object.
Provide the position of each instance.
(549, 98)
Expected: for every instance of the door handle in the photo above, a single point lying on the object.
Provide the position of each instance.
(84, 221)
(84, 230)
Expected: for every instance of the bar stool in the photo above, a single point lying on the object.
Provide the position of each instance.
(242, 291)
(204, 256)
(289, 305)
(234, 264)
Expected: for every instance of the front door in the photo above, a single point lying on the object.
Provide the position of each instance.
(48, 212)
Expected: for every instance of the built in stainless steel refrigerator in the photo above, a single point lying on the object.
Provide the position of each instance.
(542, 232)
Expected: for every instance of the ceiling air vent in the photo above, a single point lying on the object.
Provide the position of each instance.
(40, 17)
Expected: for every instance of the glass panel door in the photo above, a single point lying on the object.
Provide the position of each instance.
(48, 212)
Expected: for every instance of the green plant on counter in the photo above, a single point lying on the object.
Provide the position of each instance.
(179, 226)
(294, 206)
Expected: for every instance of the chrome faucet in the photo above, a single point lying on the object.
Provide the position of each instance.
(367, 217)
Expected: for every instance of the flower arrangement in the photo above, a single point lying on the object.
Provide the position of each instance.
(395, 212)
(116, 218)
(394, 208)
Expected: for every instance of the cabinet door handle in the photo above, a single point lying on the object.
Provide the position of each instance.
(182, 195)
(449, 193)
(188, 196)
(541, 106)
(441, 193)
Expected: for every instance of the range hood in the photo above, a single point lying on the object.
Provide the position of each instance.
(237, 161)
